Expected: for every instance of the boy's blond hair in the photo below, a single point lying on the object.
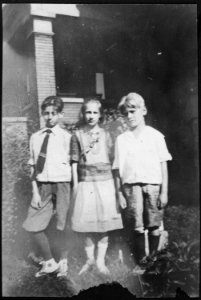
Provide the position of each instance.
(125, 101)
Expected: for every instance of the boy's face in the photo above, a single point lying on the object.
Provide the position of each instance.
(92, 114)
(135, 115)
(51, 116)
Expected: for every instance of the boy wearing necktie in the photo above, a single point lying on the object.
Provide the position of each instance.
(51, 177)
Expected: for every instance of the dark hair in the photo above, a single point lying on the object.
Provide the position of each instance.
(53, 101)
(84, 105)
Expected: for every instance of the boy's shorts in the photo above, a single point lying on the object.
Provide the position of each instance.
(39, 218)
(142, 211)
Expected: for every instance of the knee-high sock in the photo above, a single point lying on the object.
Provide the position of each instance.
(101, 253)
(153, 243)
(90, 252)
(139, 246)
(42, 242)
(62, 243)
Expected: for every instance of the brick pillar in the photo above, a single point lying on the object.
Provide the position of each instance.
(44, 58)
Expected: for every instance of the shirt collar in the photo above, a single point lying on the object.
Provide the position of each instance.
(141, 135)
(54, 129)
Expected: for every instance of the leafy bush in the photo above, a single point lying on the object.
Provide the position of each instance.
(182, 223)
(15, 172)
(177, 266)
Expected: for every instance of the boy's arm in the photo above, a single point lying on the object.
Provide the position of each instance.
(75, 151)
(36, 199)
(117, 180)
(163, 198)
(74, 173)
(119, 195)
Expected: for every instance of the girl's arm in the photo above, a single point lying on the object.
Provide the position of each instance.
(74, 178)
(74, 174)
(163, 198)
(75, 151)
(110, 146)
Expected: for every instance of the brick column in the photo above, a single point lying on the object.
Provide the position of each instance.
(44, 59)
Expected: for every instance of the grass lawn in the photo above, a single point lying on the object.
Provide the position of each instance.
(182, 224)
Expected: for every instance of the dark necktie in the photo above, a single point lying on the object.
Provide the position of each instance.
(42, 155)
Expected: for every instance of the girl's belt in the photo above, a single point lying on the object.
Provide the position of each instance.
(96, 172)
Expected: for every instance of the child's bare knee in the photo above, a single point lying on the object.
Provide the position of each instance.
(139, 230)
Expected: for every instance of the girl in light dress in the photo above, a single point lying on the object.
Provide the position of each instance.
(95, 210)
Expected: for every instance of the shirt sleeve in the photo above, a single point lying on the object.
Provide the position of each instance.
(75, 149)
(163, 152)
(31, 159)
(116, 156)
(110, 146)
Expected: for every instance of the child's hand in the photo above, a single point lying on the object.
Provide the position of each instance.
(36, 200)
(162, 200)
(121, 200)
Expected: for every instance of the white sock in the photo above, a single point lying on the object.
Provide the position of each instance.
(102, 249)
(90, 252)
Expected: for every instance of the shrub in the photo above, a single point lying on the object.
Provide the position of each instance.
(175, 267)
(182, 223)
(15, 170)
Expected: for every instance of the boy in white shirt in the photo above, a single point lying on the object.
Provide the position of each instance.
(141, 176)
(51, 177)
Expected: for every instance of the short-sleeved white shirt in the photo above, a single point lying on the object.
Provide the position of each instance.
(139, 159)
(57, 165)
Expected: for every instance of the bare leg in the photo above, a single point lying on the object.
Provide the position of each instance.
(101, 253)
(89, 249)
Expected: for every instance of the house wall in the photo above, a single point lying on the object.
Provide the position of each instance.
(154, 53)
(14, 81)
(19, 82)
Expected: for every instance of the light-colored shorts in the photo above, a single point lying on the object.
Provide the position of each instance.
(38, 219)
(142, 211)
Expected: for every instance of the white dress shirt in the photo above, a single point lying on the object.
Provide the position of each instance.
(139, 158)
(57, 165)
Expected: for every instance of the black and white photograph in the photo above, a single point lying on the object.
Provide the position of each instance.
(100, 150)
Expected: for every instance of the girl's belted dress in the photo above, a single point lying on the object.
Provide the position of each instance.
(95, 207)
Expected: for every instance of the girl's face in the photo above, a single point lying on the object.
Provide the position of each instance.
(92, 114)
